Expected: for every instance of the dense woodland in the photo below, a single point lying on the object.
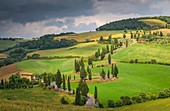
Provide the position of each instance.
(132, 24)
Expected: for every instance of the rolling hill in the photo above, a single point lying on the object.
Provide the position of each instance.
(147, 23)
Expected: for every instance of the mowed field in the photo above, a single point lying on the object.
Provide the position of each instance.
(144, 52)
(93, 35)
(153, 22)
(133, 80)
(82, 49)
(48, 66)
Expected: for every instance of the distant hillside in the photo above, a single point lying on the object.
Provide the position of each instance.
(146, 23)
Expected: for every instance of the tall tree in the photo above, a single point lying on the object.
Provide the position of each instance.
(109, 59)
(83, 87)
(111, 48)
(64, 83)
(82, 62)
(83, 73)
(103, 74)
(89, 73)
(101, 39)
(124, 35)
(112, 70)
(116, 71)
(107, 48)
(77, 65)
(95, 93)
(58, 79)
(49, 79)
(108, 74)
(68, 83)
(90, 61)
(78, 97)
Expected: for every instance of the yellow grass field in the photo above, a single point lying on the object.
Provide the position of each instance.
(153, 22)
(93, 35)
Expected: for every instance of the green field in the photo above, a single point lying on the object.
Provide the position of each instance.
(41, 66)
(6, 43)
(133, 80)
(153, 22)
(82, 49)
(144, 52)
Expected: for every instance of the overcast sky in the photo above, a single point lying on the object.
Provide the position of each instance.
(33, 18)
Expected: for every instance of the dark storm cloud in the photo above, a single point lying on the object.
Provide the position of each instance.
(142, 7)
(34, 10)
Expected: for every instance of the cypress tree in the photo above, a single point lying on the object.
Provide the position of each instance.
(68, 83)
(112, 70)
(49, 79)
(108, 74)
(107, 48)
(101, 39)
(95, 93)
(111, 49)
(78, 97)
(90, 61)
(74, 77)
(83, 87)
(116, 71)
(77, 66)
(2, 84)
(98, 52)
(83, 73)
(103, 74)
(127, 43)
(89, 73)
(109, 59)
(82, 62)
(124, 35)
(64, 83)
(58, 79)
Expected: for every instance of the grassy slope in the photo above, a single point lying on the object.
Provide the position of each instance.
(41, 66)
(133, 79)
(92, 35)
(153, 22)
(144, 52)
(6, 43)
(83, 49)
(35, 99)
(157, 105)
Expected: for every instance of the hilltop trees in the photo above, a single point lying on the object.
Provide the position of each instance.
(58, 79)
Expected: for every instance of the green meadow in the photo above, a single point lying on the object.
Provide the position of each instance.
(144, 52)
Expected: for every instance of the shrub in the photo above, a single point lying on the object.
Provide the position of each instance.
(137, 99)
(131, 61)
(83, 100)
(118, 103)
(145, 97)
(111, 103)
(153, 96)
(126, 100)
(63, 100)
(167, 91)
(153, 61)
(162, 94)
(136, 60)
